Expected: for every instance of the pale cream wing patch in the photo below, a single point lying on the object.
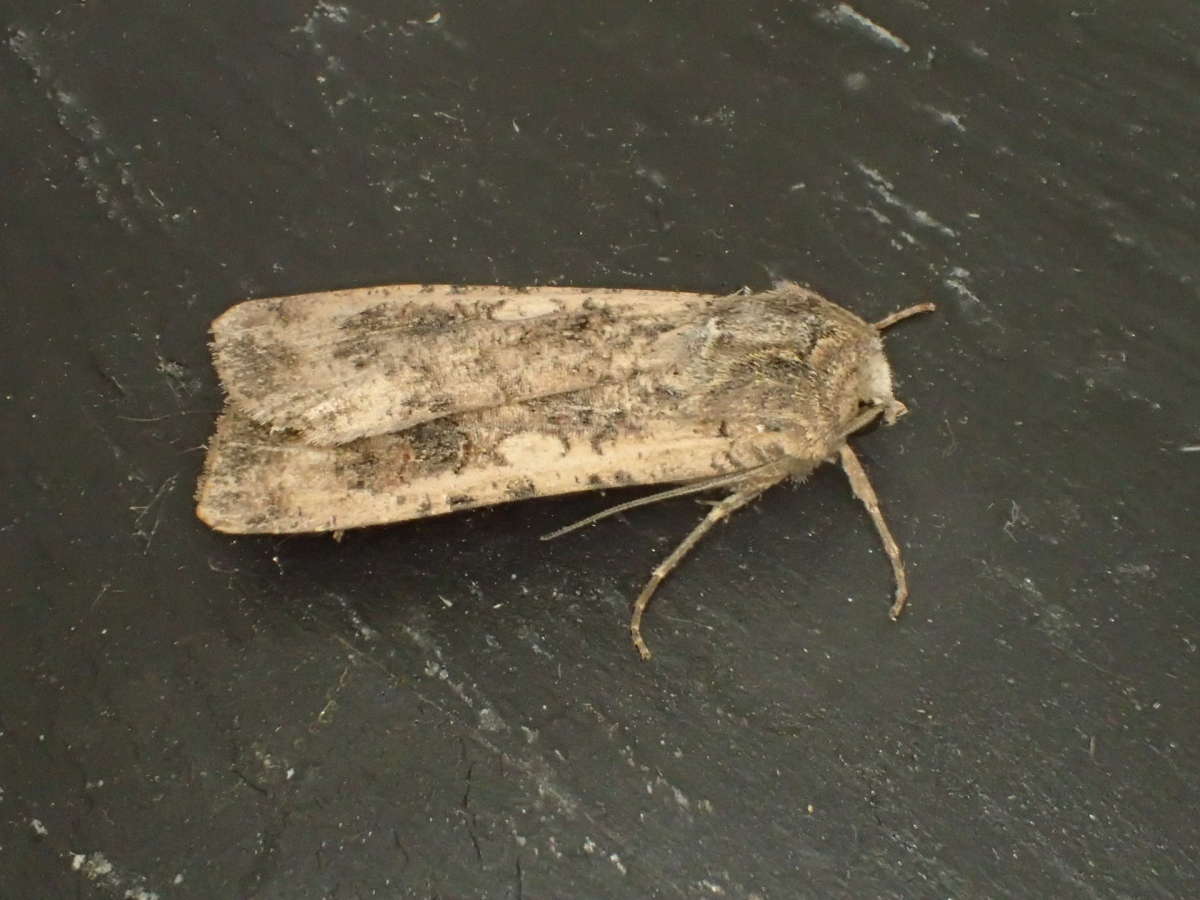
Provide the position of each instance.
(338, 366)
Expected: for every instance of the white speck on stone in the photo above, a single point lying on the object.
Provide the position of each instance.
(96, 866)
(856, 81)
(339, 14)
(490, 720)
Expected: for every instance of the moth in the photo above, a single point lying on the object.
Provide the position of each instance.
(378, 405)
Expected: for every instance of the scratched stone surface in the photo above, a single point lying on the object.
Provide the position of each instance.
(451, 708)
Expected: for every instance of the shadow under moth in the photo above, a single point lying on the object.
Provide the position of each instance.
(377, 405)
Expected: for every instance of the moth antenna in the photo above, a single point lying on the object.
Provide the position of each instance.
(681, 491)
(861, 486)
(899, 315)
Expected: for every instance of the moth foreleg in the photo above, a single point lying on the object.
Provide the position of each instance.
(861, 486)
(720, 509)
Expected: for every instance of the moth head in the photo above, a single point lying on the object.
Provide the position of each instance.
(873, 389)
(874, 392)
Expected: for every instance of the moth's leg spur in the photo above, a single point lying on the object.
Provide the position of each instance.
(720, 510)
(861, 486)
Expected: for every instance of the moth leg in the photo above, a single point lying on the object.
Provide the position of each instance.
(861, 486)
(695, 487)
(720, 510)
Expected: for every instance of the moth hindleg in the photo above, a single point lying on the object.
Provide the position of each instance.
(751, 488)
(861, 486)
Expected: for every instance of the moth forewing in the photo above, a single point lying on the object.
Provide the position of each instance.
(337, 366)
(259, 481)
(365, 407)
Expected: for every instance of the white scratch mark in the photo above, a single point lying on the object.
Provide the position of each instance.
(365, 631)
(887, 192)
(654, 176)
(956, 280)
(591, 848)
(876, 215)
(533, 766)
(155, 504)
(946, 118)
(846, 15)
(1015, 518)
(101, 165)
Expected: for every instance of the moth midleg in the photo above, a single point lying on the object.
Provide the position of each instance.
(861, 486)
(754, 485)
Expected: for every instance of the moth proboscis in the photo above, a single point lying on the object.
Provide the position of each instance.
(378, 405)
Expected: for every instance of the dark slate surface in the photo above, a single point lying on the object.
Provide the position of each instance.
(451, 708)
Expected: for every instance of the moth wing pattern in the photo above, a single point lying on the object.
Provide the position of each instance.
(331, 423)
(259, 481)
(337, 366)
